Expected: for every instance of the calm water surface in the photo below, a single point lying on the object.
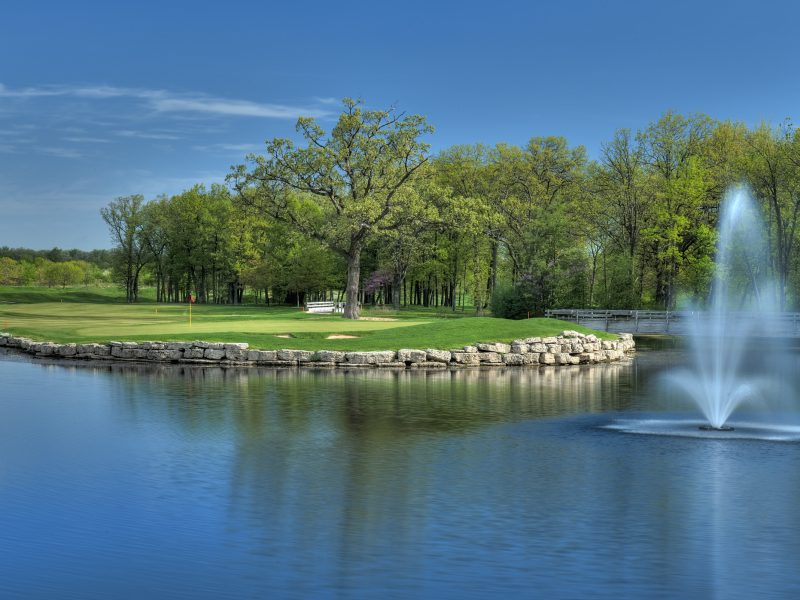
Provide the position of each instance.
(169, 482)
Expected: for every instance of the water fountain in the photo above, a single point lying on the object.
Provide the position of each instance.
(742, 300)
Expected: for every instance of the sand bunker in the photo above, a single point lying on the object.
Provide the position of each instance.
(284, 335)
(341, 336)
(377, 319)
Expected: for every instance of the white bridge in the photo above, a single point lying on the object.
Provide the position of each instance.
(675, 322)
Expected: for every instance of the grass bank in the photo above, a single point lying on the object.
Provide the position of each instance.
(102, 318)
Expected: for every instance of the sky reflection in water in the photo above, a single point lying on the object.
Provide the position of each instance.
(208, 483)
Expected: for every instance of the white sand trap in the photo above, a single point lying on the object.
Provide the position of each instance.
(284, 335)
(341, 336)
(377, 319)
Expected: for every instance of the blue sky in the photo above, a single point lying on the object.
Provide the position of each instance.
(103, 99)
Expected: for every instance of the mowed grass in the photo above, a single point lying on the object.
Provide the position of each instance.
(106, 320)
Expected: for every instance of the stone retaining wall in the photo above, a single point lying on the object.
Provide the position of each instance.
(569, 348)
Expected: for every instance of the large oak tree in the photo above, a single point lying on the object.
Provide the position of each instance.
(342, 187)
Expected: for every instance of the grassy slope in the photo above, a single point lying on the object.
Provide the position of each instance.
(34, 314)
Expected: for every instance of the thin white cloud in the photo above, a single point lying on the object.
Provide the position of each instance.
(62, 152)
(239, 108)
(328, 100)
(227, 148)
(165, 101)
(147, 135)
(86, 140)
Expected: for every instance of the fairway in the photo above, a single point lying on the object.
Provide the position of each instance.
(260, 326)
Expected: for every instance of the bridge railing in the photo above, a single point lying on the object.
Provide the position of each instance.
(672, 321)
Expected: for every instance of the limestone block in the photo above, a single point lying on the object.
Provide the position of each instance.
(408, 355)
(471, 349)
(236, 354)
(290, 355)
(521, 348)
(67, 350)
(356, 358)
(513, 358)
(304, 356)
(569, 333)
(490, 357)
(385, 356)
(467, 358)
(547, 358)
(158, 355)
(370, 358)
(550, 340)
(99, 349)
(533, 340)
(428, 365)
(332, 356)
(495, 347)
(237, 346)
(214, 354)
(156, 346)
(441, 356)
(554, 348)
(193, 353)
(537, 347)
(47, 349)
(531, 358)
(576, 348)
(562, 359)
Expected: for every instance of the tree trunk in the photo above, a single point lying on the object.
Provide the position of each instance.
(396, 285)
(351, 308)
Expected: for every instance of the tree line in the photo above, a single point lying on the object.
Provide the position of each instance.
(366, 214)
(43, 272)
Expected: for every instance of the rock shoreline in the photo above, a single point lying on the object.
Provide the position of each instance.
(569, 348)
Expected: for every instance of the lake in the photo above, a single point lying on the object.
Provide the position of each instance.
(126, 481)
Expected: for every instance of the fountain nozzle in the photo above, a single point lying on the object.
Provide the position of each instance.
(712, 428)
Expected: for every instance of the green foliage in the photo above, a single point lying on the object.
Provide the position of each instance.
(529, 227)
(343, 187)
